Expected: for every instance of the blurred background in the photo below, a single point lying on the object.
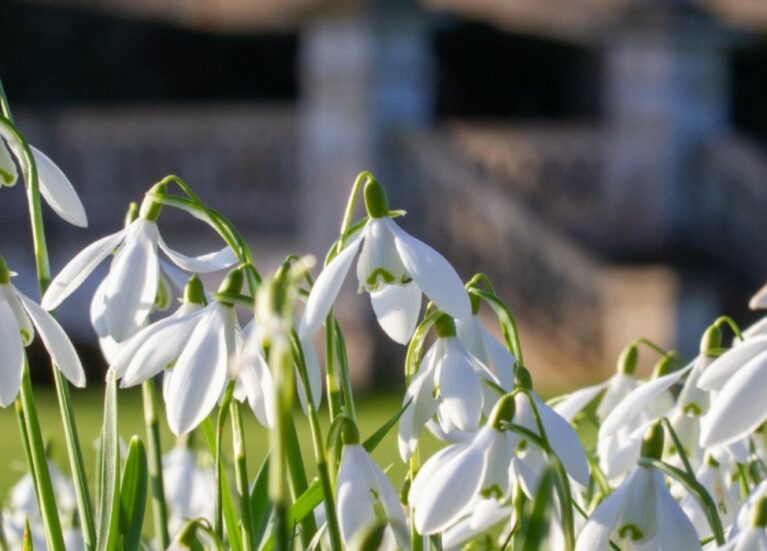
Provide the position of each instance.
(603, 161)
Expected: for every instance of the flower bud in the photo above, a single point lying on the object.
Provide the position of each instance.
(759, 513)
(652, 442)
(711, 342)
(194, 292)
(150, 209)
(627, 361)
(503, 412)
(233, 282)
(376, 202)
(522, 378)
(445, 326)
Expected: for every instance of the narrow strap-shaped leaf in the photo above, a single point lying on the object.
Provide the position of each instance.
(109, 498)
(260, 506)
(26, 539)
(537, 523)
(133, 493)
(197, 535)
(374, 439)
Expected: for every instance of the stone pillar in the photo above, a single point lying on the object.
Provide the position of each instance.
(666, 91)
(365, 74)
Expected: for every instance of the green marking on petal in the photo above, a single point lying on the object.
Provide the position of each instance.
(631, 531)
(8, 178)
(692, 409)
(493, 492)
(26, 337)
(372, 283)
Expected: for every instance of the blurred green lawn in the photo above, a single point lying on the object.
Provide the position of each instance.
(373, 411)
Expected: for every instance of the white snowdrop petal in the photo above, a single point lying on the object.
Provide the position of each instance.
(565, 443)
(313, 369)
(163, 343)
(422, 407)
(452, 487)
(58, 191)
(326, 289)
(397, 308)
(133, 280)
(56, 341)
(640, 507)
(432, 273)
(354, 500)
(460, 391)
(391, 504)
(638, 400)
(575, 402)
(759, 300)
(595, 534)
(200, 373)
(79, 268)
(9, 174)
(738, 408)
(725, 366)
(675, 531)
(433, 465)
(12, 357)
(203, 264)
(25, 325)
(502, 360)
(96, 310)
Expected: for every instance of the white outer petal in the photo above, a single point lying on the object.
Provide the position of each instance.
(96, 310)
(422, 407)
(58, 191)
(397, 308)
(759, 300)
(391, 504)
(80, 267)
(354, 500)
(157, 346)
(203, 264)
(9, 174)
(565, 443)
(638, 400)
(432, 273)
(12, 357)
(452, 487)
(575, 402)
(675, 531)
(26, 328)
(725, 366)
(326, 288)
(133, 280)
(738, 408)
(200, 373)
(595, 534)
(56, 341)
(460, 390)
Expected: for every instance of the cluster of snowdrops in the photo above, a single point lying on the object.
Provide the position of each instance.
(678, 461)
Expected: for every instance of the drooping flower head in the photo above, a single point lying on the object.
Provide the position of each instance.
(134, 274)
(20, 316)
(394, 268)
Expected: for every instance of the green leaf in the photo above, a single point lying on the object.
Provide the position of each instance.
(374, 439)
(133, 492)
(26, 539)
(197, 535)
(109, 464)
(260, 506)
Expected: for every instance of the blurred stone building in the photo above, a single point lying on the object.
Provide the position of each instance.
(600, 159)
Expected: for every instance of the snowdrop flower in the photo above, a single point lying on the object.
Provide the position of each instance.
(754, 535)
(189, 488)
(394, 268)
(134, 274)
(561, 436)
(640, 513)
(615, 389)
(199, 342)
(55, 187)
(456, 479)
(361, 488)
(19, 317)
(450, 384)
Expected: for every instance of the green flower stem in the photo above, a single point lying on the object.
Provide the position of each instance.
(218, 525)
(343, 369)
(48, 509)
(328, 495)
(241, 474)
(362, 178)
(278, 471)
(563, 486)
(154, 452)
(42, 265)
(506, 320)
